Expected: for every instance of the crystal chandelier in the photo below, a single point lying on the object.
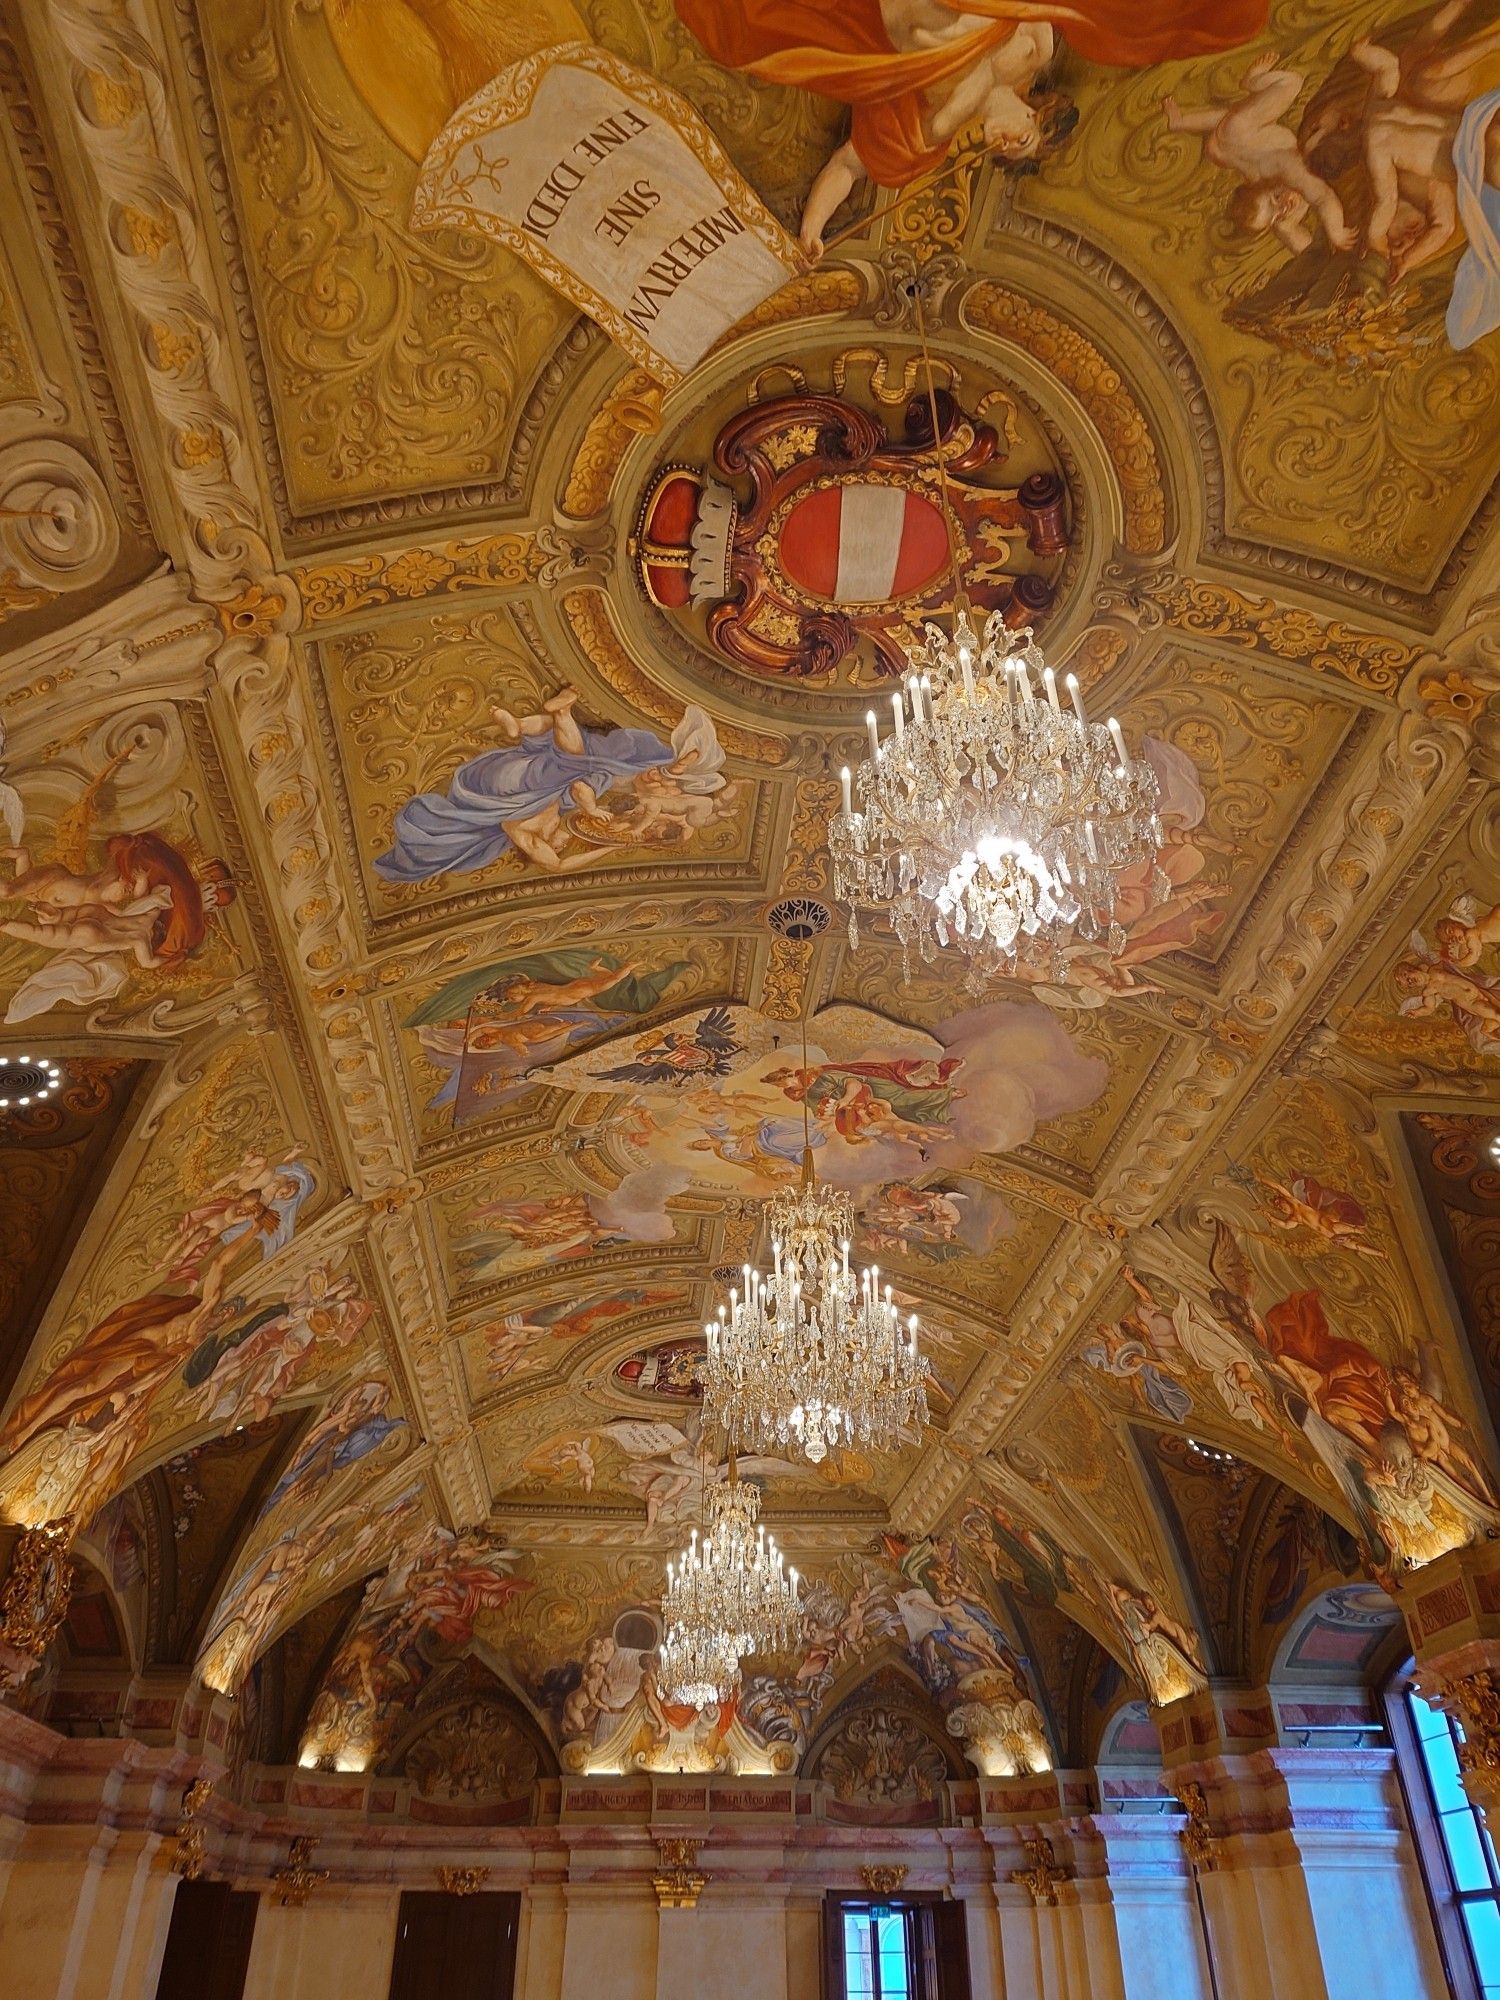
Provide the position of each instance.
(992, 819)
(816, 1355)
(726, 1598)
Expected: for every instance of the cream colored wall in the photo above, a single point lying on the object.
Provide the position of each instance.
(83, 1914)
(338, 1946)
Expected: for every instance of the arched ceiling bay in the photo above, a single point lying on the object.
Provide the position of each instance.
(420, 696)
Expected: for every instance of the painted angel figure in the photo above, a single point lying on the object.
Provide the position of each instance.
(559, 794)
(145, 909)
(256, 1198)
(1400, 1455)
(353, 1426)
(1118, 1351)
(241, 1376)
(1447, 975)
(917, 73)
(1332, 1217)
(1278, 189)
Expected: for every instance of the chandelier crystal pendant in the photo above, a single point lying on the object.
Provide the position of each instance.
(816, 1354)
(994, 818)
(726, 1597)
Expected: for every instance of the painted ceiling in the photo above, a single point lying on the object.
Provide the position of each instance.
(412, 763)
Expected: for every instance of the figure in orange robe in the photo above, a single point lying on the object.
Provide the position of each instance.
(1346, 1384)
(914, 72)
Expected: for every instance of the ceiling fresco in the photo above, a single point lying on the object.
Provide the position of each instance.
(432, 622)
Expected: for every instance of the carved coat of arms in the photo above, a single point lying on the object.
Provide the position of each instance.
(818, 529)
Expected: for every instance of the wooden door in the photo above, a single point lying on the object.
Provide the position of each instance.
(455, 1947)
(208, 1942)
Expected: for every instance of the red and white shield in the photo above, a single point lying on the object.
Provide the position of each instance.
(857, 542)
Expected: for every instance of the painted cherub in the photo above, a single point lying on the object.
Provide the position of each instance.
(1464, 934)
(1333, 1217)
(1451, 977)
(1418, 99)
(1247, 136)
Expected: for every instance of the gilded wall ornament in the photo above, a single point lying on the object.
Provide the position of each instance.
(35, 1596)
(1197, 1836)
(297, 1878)
(187, 1854)
(679, 1881)
(463, 1881)
(1043, 1877)
(883, 1879)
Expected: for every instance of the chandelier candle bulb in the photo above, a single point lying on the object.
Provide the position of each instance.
(966, 668)
(874, 736)
(898, 711)
(845, 782)
(1118, 737)
(1049, 682)
(1075, 695)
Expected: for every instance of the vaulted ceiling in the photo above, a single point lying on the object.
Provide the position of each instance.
(407, 786)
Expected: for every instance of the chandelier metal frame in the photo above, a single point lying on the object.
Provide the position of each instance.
(992, 819)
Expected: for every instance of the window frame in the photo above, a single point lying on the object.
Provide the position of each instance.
(1445, 1900)
(938, 1935)
(912, 1935)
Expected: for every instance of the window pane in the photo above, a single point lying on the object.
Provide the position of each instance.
(859, 1973)
(1483, 1920)
(894, 1979)
(1429, 1721)
(1442, 1768)
(1470, 1868)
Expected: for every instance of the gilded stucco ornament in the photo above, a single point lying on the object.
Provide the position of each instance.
(296, 1879)
(1198, 1839)
(34, 1597)
(190, 1835)
(1475, 1698)
(1043, 1877)
(58, 532)
(679, 1881)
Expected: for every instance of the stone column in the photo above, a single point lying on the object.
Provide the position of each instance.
(1303, 1859)
(1159, 1930)
(84, 1914)
(1452, 1612)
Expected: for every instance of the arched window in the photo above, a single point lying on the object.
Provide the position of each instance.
(1457, 1854)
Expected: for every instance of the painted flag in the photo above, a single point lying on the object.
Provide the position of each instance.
(615, 190)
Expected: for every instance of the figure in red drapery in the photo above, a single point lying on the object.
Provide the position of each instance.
(1345, 1383)
(917, 72)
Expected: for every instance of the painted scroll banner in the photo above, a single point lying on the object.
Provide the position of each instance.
(614, 189)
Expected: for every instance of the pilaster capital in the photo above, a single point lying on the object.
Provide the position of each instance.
(1453, 1605)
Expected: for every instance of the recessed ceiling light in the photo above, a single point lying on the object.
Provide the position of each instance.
(27, 1080)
